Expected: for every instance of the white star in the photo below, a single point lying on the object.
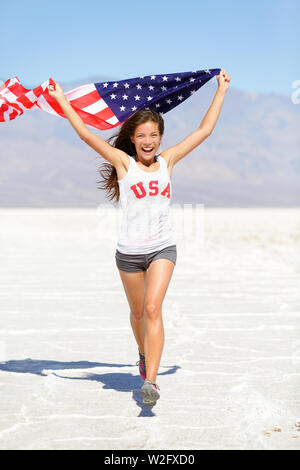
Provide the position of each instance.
(163, 88)
(165, 79)
(192, 79)
(115, 85)
(178, 79)
(137, 97)
(124, 97)
(161, 113)
(149, 98)
(169, 101)
(207, 71)
(157, 105)
(122, 108)
(142, 77)
(139, 86)
(180, 97)
(151, 87)
(134, 108)
(192, 92)
(113, 96)
(153, 77)
(126, 85)
(105, 85)
(194, 71)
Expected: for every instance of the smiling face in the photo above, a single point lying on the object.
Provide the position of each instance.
(146, 139)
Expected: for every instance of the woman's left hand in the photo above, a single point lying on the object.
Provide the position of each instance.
(223, 80)
(56, 91)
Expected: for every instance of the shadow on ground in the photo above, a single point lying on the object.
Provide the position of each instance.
(126, 382)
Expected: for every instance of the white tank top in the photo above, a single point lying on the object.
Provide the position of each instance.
(145, 198)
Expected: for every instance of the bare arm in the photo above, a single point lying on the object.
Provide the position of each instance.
(176, 153)
(210, 119)
(107, 151)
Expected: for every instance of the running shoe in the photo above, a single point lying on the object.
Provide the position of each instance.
(149, 392)
(142, 366)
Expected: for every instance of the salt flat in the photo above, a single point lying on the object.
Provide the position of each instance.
(230, 371)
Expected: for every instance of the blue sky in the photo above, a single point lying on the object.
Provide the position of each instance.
(256, 42)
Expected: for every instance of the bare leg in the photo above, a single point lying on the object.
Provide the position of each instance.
(134, 286)
(158, 278)
(138, 328)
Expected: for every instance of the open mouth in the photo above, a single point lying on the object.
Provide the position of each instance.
(147, 150)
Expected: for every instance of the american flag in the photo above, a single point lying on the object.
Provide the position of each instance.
(108, 104)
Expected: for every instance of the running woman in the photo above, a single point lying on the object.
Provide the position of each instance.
(140, 179)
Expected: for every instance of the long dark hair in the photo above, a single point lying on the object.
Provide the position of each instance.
(122, 141)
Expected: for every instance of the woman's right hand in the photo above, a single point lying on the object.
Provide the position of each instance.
(56, 92)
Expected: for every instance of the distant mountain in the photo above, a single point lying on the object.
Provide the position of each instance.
(252, 158)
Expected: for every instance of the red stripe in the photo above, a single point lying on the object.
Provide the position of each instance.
(13, 115)
(3, 108)
(105, 114)
(52, 103)
(17, 89)
(86, 100)
(17, 107)
(38, 91)
(94, 120)
(25, 101)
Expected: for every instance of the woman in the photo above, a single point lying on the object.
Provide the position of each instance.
(146, 251)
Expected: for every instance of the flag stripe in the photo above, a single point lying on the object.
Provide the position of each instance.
(95, 107)
(85, 100)
(25, 101)
(31, 96)
(113, 121)
(8, 96)
(95, 121)
(80, 91)
(3, 110)
(43, 104)
(106, 114)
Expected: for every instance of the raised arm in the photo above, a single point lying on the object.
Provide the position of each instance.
(180, 150)
(107, 151)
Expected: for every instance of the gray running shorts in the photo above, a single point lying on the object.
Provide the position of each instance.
(140, 262)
